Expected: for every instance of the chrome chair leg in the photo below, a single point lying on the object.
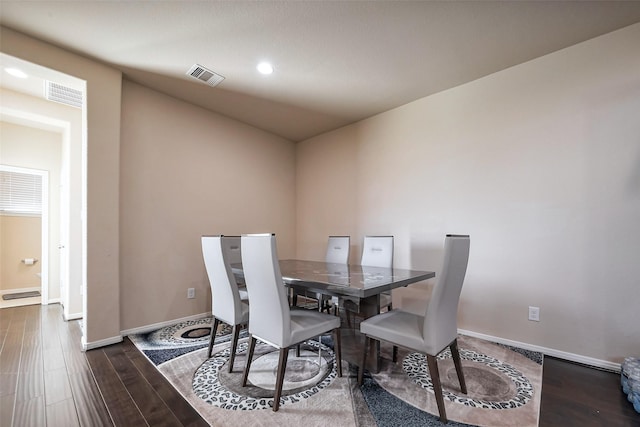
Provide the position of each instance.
(338, 350)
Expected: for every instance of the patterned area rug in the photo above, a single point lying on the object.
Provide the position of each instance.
(503, 383)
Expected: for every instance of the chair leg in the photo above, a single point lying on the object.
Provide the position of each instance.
(338, 350)
(437, 387)
(212, 339)
(234, 344)
(395, 354)
(282, 365)
(365, 347)
(458, 363)
(252, 347)
(298, 350)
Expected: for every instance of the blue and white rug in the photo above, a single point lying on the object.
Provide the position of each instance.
(503, 383)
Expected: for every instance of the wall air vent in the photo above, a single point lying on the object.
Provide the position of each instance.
(205, 75)
(63, 94)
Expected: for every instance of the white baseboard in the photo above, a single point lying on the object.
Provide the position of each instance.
(598, 363)
(140, 330)
(153, 327)
(73, 316)
(101, 343)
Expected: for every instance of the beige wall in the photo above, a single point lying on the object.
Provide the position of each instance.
(20, 238)
(186, 172)
(102, 153)
(28, 147)
(539, 163)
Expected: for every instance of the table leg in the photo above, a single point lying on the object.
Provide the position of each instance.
(370, 306)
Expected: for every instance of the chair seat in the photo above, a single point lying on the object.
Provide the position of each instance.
(307, 324)
(397, 327)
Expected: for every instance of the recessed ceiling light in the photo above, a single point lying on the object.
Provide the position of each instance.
(16, 73)
(265, 68)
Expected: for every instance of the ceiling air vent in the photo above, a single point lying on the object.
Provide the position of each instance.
(205, 75)
(63, 94)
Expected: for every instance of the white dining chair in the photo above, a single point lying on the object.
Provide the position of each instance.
(337, 253)
(231, 246)
(338, 250)
(437, 329)
(272, 321)
(377, 251)
(226, 305)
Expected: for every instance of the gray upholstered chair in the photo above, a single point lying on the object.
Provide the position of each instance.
(231, 245)
(272, 321)
(226, 305)
(437, 329)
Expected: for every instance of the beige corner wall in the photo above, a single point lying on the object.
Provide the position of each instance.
(102, 296)
(186, 172)
(539, 163)
(27, 147)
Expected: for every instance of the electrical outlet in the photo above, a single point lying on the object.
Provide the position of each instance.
(191, 293)
(534, 313)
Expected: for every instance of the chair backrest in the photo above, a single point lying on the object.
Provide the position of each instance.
(377, 251)
(225, 298)
(441, 317)
(338, 249)
(232, 249)
(269, 311)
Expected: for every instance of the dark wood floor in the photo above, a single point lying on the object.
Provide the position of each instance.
(45, 379)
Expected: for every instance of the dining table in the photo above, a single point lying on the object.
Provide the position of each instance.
(358, 285)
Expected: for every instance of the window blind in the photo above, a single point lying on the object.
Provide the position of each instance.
(20, 193)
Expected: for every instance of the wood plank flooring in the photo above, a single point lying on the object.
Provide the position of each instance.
(574, 395)
(45, 379)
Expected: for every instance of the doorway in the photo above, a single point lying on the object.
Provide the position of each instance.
(27, 102)
(24, 236)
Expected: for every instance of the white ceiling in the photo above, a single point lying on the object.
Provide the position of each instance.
(335, 62)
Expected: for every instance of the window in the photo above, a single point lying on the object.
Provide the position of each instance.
(20, 193)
